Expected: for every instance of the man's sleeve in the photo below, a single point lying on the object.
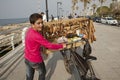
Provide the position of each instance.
(41, 40)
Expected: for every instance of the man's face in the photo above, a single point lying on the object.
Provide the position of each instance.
(38, 25)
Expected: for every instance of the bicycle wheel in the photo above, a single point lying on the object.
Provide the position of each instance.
(75, 72)
(67, 64)
(91, 74)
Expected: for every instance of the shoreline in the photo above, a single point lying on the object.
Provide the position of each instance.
(4, 29)
(11, 36)
(13, 26)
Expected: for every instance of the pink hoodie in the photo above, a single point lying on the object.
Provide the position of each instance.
(33, 42)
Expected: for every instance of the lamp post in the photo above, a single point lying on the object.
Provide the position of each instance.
(47, 10)
(58, 8)
(60, 12)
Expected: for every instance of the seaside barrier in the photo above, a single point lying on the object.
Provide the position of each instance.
(10, 38)
(11, 50)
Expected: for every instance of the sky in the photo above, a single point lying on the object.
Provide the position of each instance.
(23, 8)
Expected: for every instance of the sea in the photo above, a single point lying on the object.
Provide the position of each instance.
(4, 22)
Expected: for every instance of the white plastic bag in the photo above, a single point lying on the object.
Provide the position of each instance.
(62, 39)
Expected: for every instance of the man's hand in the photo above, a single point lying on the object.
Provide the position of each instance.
(62, 39)
(64, 45)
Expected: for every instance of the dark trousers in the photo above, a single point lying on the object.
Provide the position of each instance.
(31, 67)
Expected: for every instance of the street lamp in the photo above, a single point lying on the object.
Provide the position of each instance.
(58, 9)
(47, 10)
(60, 12)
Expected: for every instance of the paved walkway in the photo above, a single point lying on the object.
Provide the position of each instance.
(106, 49)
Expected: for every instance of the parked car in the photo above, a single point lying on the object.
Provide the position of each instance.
(109, 20)
(97, 19)
(118, 23)
(56, 18)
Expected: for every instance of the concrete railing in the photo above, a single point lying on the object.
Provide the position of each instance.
(10, 41)
(11, 46)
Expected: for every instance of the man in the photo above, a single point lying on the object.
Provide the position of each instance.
(44, 16)
(33, 42)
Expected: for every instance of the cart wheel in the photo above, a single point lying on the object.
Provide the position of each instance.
(67, 66)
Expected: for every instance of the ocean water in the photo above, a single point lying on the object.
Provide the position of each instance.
(12, 21)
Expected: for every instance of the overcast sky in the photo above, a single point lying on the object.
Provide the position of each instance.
(23, 8)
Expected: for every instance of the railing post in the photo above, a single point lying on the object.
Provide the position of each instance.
(12, 41)
(23, 35)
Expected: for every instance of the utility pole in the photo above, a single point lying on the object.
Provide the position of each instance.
(38, 6)
(58, 9)
(47, 11)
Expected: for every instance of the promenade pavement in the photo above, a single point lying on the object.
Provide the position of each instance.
(106, 49)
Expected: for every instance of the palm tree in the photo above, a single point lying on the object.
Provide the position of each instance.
(94, 7)
(74, 2)
(77, 7)
(115, 6)
(112, 6)
(85, 5)
(101, 1)
(113, 1)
